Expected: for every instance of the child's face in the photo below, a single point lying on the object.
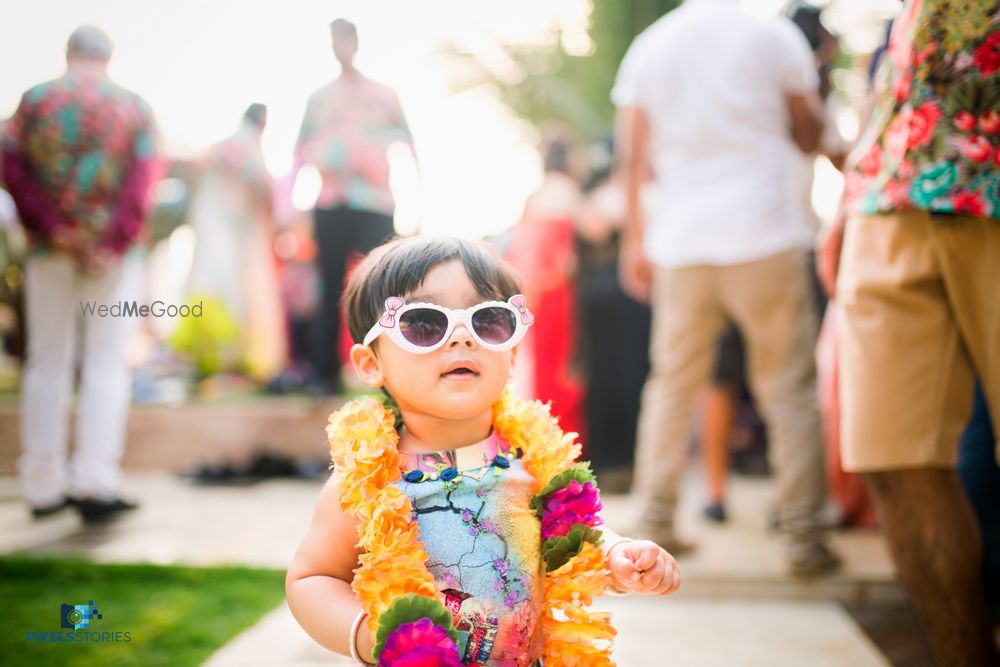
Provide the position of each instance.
(433, 384)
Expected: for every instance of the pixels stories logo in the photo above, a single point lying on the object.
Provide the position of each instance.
(78, 616)
(76, 622)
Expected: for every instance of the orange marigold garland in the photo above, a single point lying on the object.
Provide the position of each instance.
(528, 425)
(575, 637)
(367, 464)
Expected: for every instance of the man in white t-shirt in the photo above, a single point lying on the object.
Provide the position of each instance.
(719, 104)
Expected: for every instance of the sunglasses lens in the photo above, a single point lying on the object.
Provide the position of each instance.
(423, 327)
(494, 325)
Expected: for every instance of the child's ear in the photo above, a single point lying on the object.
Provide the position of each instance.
(367, 365)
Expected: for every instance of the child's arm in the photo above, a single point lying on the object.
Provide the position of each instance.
(639, 566)
(318, 583)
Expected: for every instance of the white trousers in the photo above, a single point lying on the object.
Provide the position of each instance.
(54, 292)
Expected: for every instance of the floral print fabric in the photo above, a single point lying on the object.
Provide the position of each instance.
(86, 145)
(933, 141)
(347, 129)
(483, 542)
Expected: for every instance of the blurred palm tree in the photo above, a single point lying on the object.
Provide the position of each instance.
(568, 76)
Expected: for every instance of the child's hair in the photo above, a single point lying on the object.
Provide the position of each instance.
(398, 267)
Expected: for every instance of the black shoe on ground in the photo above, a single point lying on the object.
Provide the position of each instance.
(715, 512)
(43, 511)
(91, 509)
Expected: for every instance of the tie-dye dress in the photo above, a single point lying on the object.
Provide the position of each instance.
(484, 545)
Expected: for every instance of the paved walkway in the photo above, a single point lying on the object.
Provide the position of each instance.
(736, 606)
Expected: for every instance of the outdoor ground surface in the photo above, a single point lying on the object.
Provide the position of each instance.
(737, 606)
(176, 616)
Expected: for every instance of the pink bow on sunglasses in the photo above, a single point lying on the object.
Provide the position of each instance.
(392, 305)
(519, 302)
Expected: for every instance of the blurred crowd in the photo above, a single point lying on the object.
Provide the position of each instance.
(671, 267)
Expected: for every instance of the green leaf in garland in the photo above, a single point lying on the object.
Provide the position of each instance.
(389, 403)
(408, 609)
(558, 550)
(581, 472)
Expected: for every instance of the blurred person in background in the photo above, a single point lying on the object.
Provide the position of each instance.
(848, 494)
(542, 252)
(719, 103)
(980, 473)
(296, 251)
(729, 376)
(613, 338)
(233, 272)
(78, 159)
(12, 248)
(347, 129)
(915, 268)
(13, 245)
(719, 413)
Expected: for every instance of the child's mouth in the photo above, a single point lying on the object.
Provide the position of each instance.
(462, 369)
(461, 372)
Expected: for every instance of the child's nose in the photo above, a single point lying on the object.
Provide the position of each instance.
(461, 336)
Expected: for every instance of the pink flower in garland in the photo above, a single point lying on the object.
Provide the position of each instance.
(419, 644)
(574, 503)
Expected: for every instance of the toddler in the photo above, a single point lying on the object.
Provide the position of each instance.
(457, 527)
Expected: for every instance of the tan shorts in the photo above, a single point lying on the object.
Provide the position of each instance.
(921, 318)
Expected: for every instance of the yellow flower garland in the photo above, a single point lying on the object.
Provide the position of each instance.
(366, 466)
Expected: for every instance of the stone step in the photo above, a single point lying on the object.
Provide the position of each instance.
(174, 438)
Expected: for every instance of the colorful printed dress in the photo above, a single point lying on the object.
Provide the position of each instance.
(483, 540)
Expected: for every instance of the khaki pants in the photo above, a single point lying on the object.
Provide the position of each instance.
(921, 305)
(771, 302)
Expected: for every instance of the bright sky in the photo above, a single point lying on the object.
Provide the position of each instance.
(200, 64)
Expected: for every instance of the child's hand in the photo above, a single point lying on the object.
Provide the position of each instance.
(641, 566)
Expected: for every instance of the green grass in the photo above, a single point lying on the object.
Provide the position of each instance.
(176, 615)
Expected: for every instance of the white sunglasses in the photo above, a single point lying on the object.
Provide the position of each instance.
(424, 327)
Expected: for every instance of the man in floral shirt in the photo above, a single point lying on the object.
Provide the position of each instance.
(918, 284)
(348, 126)
(78, 161)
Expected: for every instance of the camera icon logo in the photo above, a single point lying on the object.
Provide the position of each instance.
(78, 616)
